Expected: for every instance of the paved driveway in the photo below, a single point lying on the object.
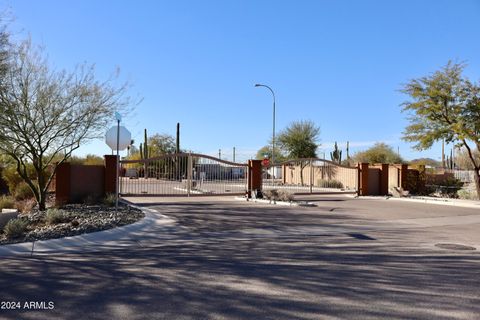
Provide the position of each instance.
(221, 259)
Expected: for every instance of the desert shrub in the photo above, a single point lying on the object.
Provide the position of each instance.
(286, 196)
(23, 191)
(7, 202)
(11, 178)
(467, 194)
(15, 228)
(109, 200)
(271, 194)
(322, 183)
(88, 160)
(55, 216)
(26, 206)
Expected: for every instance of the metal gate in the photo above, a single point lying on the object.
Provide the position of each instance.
(311, 175)
(182, 174)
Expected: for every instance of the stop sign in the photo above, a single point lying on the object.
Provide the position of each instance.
(124, 138)
(265, 162)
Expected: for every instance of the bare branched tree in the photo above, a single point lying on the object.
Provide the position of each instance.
(46, 114)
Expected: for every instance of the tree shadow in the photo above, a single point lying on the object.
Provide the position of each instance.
(210, 270)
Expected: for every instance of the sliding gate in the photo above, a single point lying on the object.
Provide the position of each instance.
(311, 175)
(182, 174)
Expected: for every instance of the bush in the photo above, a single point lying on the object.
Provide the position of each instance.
(23, 191)
(7, 202)
(271, 194)
(15, 228)
(322, 183)
(13, 179)
(285, 196)
(26, 206)
(278, 195)
(109, 200)
(55, 216)
(467, 194)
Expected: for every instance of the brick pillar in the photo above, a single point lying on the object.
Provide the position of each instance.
(62, 184)
(403, 176)
(384, 179)
(110, 173)
(254, 176)
(363, 179)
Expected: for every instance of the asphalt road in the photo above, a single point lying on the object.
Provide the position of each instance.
(344, 259)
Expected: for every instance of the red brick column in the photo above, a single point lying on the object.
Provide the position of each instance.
(254, 176)
(384, 179)
(62, 184)
(363, 179)
(110, 173)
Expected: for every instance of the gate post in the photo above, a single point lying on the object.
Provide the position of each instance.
(254, 176)
(363, 179)
(384, 179)
(110, 173)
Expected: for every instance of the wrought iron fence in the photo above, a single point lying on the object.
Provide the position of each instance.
(182, 174)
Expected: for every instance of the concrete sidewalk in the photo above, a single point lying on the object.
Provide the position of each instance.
(107, 239)
(428, 200)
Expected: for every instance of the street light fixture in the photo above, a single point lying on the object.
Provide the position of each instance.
(273, 132)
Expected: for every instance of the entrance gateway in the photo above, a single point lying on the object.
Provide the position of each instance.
(191, 174)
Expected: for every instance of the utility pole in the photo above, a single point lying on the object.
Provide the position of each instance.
(219, 153)
(233, 154)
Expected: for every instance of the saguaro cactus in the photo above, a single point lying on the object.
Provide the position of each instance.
(348, 150)
(145, 145)
(336, 154)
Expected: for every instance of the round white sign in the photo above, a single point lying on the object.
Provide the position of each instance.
(125, 137)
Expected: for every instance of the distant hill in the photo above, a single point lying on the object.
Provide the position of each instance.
(427, 162)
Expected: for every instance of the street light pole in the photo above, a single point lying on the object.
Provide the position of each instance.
(273, 132)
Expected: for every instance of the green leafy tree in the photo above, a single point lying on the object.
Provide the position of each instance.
(46, 114)
(160, 144)
(267, 151)
(379, 153)
(88, 160)
(298, 141)
(445, 105)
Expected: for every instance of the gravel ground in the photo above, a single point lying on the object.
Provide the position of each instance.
(77, 219)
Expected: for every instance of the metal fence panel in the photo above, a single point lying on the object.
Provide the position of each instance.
(182, 175)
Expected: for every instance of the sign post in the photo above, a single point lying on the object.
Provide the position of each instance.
(118, 138)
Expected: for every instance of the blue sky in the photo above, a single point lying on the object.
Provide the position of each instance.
(337, 63)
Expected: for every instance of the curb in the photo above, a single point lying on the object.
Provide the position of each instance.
(428, 200)
(116, 238)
